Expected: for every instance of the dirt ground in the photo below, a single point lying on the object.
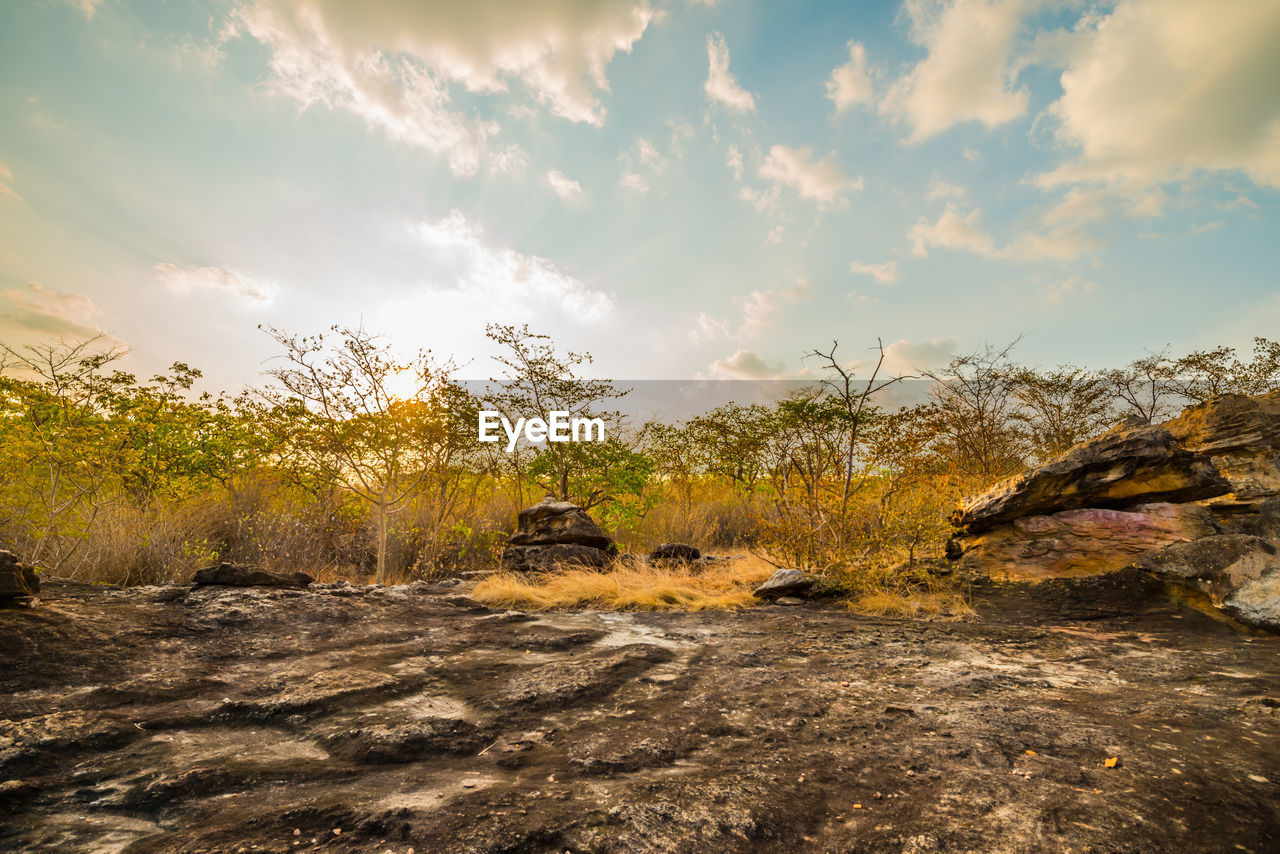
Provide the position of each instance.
(409, 719)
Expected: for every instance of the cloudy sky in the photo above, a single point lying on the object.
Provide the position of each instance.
(683, 189)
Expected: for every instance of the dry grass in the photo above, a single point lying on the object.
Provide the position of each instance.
(675, 588)
(934, 604)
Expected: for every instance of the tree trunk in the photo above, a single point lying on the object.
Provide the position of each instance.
(382, 543)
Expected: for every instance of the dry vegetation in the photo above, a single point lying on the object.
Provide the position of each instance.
(725, 586)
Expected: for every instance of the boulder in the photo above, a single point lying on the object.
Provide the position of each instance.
(553, 556)
(1130, 464)
(675, 552)
(1241, 435)
(1075, 543)
(552, 534)
(1240, 574)
(238, 575)
(18, 582)
(552, 522)
(784, 582)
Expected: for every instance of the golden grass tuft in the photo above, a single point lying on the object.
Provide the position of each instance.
(935, 604)
(648, 588)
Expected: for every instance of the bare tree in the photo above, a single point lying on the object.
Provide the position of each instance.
(1144, 385)
(854, 397)
(977, 402)
(1061, 407)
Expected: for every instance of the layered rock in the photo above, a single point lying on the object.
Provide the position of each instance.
(19, 583)
(1194, 501)
(1088, 541)
(1241, 437)
(1130, 464)
(553, 533)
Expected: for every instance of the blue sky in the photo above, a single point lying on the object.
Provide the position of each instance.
(683, 189)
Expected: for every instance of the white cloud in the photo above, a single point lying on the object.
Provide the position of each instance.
(86, 7)
(885, 273)
(939, 189)
(251, 291)
(953, 230)
(1240, 201)
(849, 84)
(7, 191)
(964, 231)
(721, 85)
(823, 181)
(775, 234)
(745, 365)
(734, 162)
(966, 75)
(34, 314)
(396, 63)
(460, 261)
(511, 160)
(564, 186)
(650, 156)
(1159, 89)
(634, 182)
(973, 155)
(1068, 288)
(903, 356)
(758, 310)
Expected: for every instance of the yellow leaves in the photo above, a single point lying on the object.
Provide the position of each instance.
(1111, 762)
(1032, 753)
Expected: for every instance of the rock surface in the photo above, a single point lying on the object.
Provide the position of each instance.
(1216, 530)
(224, 719)
(238, 575)
(18, 582)
(1241, 436)
(552, 533)
(1082, 542)
(1239, 573)
(1130, 464)
(676, 552)
(784, 582)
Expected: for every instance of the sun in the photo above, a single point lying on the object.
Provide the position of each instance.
(404, 384)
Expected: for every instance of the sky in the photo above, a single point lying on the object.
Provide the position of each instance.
(682, 189)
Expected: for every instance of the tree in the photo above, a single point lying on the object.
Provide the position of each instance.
(60, 450)
(1061, 407)
(348, 419)
(1204, 374)
(539, 381)
(1144, 385)
(855, 399)
(976, 398)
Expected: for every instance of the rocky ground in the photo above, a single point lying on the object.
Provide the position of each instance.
(343, 719)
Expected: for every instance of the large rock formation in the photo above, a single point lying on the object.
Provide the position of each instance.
(1195, 501)
(18, 582)
(1130, 464)
(555, 533)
